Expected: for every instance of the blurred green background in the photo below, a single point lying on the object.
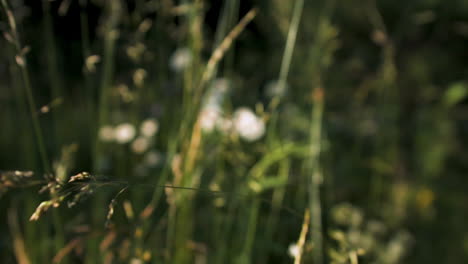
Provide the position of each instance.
(211, 130)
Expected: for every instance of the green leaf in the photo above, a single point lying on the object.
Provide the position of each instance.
(455, 93)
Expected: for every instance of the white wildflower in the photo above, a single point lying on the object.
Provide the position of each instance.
(211, 113)
(180, 60)
(208, 119)
(248, 125)
(149, 127)
(140, 145)
(124, 133)
(106, 133)
(217, 92)
(294, 250)
(224, 125)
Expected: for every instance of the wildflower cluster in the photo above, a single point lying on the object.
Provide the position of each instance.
(243, 122)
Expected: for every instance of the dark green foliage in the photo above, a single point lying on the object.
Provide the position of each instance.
(209, 127)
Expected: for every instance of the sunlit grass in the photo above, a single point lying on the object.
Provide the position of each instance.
(203, 132)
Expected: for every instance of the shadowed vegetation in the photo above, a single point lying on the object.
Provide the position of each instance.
(233, 131)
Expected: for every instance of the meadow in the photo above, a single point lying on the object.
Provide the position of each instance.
(233, 131)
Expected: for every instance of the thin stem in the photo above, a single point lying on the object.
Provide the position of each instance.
(285, 65)
(110, 38)
(302, 237)
(316, 177)
(86, 50)
(49, 39)
(290, 42)
(21, 61)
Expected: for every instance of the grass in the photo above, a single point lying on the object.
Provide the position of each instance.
(230, 131)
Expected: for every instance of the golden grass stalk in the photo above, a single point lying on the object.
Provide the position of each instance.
(223, 47)
(302, 237)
